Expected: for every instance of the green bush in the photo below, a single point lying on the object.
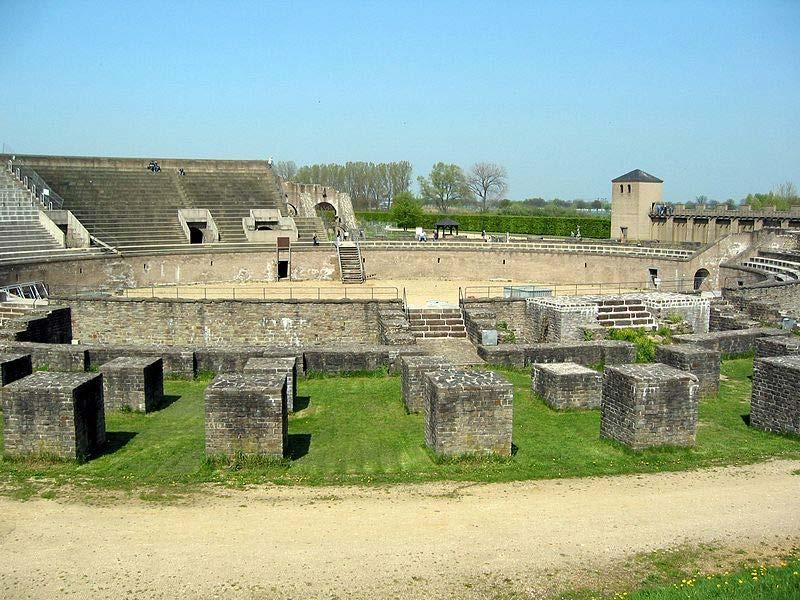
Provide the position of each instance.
(591, 227)
(645, 345)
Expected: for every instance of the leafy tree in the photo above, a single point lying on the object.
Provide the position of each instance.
(406, 211)
(487, 181)
(445, 186)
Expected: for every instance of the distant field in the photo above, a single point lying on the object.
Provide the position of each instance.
(354, 430)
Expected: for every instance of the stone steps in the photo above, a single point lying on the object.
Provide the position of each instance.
(436, 323)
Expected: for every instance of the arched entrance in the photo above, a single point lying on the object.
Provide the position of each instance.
(700, 278)
(327, 212)
(195, 235)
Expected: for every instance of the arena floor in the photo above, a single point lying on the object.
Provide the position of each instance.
(418, 291)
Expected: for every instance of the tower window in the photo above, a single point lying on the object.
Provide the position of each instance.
(621, 188)
(629, 188)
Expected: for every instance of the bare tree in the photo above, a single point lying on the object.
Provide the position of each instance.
(487, 181)
(286, 169)
(786, 191)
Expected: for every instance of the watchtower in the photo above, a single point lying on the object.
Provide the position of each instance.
(633, 196)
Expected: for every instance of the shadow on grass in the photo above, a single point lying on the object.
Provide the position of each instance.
(114, 441)
(298, 445)
(301, 403)
(746, 419)
(166, 401)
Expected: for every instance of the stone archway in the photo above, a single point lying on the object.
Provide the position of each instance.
(700, 278)
(327, 212)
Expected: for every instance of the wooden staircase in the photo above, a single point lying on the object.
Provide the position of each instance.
(350, 264)
(436, 323)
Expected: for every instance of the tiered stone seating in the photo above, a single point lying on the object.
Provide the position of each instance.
(230, 196)
(123, 208)
(784, 266)
(308, 226)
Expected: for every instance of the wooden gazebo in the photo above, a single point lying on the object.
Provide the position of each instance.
(447, 224)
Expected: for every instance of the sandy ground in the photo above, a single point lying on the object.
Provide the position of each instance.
(437, 540)
(418, 291)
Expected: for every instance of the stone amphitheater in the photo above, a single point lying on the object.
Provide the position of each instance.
(108, 265)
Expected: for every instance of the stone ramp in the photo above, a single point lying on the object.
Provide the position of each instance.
(458, 351)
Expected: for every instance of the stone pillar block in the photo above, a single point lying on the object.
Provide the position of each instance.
(54, 413)
(14, 367)
(136, 383)
(287, 366)
(567, 385)
(412, 378)
(468, 412)
(777, 346)
(246, 413)
(775, 403)
(649, 405)
(701, 362)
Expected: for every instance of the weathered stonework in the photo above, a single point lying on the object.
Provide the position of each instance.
(51, 357)
(567, 385)
(233, 359)
(348, 359)
(246, 413)
(287, 366)
(608, 352)
(775, 403)
(729, 342)
(54, 413)
(134, 383)
(468, 412)
(649, 405)
(777, 346)
(412, 378)
(703, 363)
(14, 367)
(177, 361)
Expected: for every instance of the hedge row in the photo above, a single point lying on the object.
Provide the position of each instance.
(591, 227)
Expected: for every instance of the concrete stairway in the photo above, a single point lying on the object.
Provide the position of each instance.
(308, 226)
(617, 314)
(123, 208)
(436, 323)
(350, 264)
(21, 233)
(230, 196)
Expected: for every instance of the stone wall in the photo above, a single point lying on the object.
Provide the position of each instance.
(14, 367)
(352, 359)
(777, 346)
(729, 342)
(565, 386)
(220, 323)
(177, 362)
(412, 378)
(50, 325)
(775, 403)
(649, 405)
(590, 353)
(560, 319)
(468, 412)
(512, 312)
(51, 357)
(767, 303)
(703, 363)
(54, 413)
(246, 413)
(133, 383)
(286, 366)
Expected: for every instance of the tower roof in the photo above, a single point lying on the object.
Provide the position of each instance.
(637, 175)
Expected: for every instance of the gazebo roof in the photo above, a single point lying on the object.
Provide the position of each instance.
(446, 223)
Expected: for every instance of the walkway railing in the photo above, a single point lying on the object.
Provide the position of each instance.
(37, 186)
(577, 289)
(265, 293)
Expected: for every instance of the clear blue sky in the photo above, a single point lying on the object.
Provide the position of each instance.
(705, 95)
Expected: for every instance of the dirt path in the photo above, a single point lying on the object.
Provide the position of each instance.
(448, 539)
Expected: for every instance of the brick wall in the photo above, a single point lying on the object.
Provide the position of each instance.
(511, 312)
(584, 353)
(775, 404)
(226, 322)
(729, 342)
(703, 363)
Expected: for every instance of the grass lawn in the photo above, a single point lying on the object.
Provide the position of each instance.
(355, 430)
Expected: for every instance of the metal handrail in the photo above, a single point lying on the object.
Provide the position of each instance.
(581, 289)
(265, 293)
(37, 186)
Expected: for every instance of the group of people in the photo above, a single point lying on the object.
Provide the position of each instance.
(663, 210)
(576, 234)
(154, 167)
(492, 238)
